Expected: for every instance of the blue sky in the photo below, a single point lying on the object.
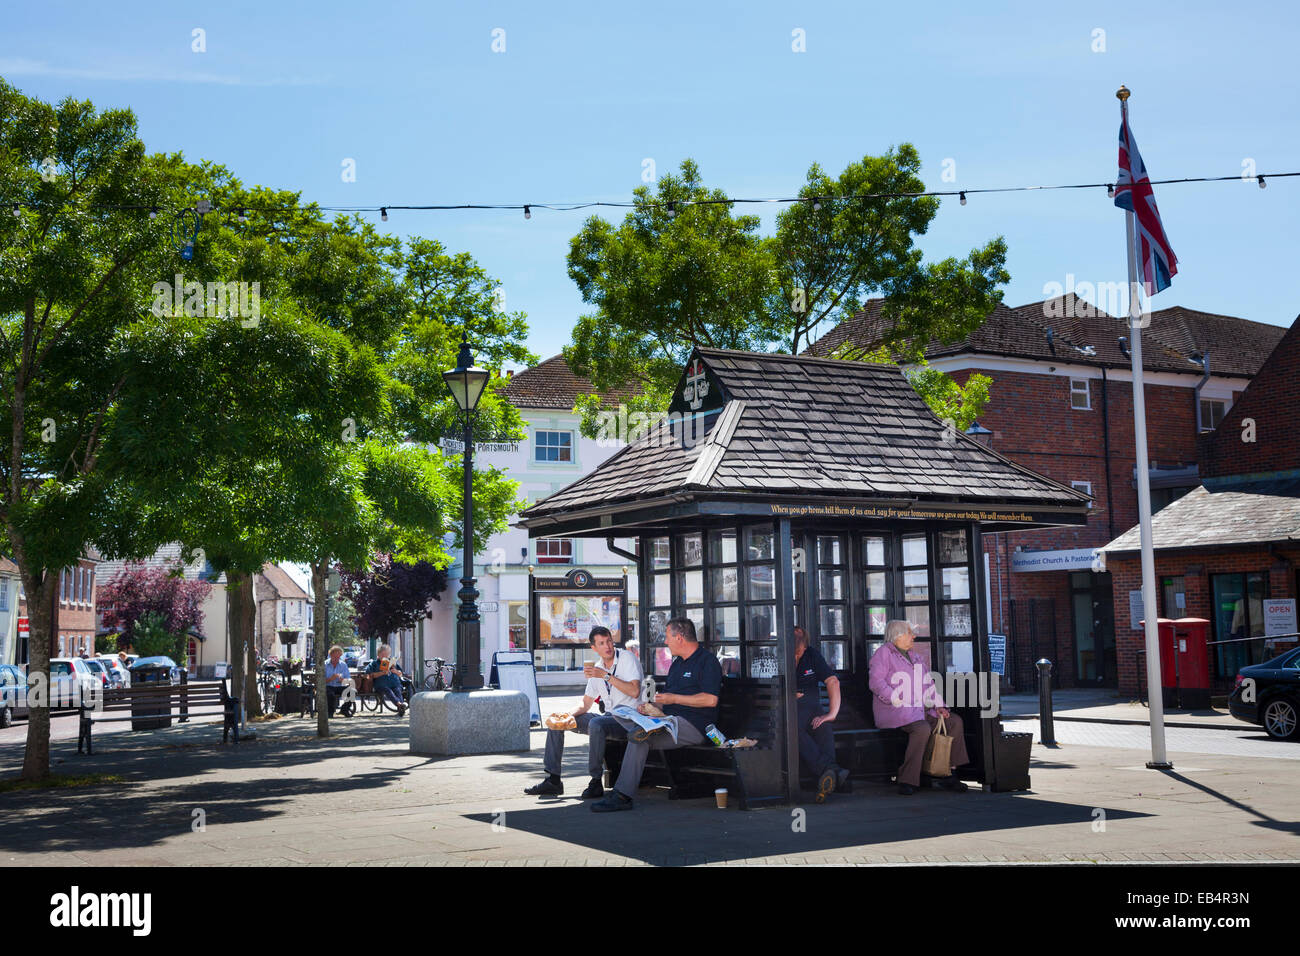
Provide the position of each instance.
(1013, 94)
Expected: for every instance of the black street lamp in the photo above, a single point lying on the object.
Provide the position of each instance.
(467, 383)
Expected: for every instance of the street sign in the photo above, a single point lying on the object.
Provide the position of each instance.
(24, 627)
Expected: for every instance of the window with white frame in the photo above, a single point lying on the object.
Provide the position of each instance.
(553, 446)
(554, 550)
(1084, 486)
(284, 612)
(4, 594)
(1080, 394)
(1212, 412)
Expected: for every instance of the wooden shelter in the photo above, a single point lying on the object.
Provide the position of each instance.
(783, 490)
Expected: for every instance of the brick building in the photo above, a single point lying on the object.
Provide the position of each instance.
(1061, 403)
(1227, 551)
(74, 633)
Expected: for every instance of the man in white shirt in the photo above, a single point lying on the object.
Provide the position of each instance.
(613, 680)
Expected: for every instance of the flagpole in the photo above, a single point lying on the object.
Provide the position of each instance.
(1159, 759)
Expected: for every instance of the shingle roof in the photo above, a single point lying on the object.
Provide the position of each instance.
(800, 425)
(7, 566)
(1237, 347)
(552, 384)
(1243, 513)
(168, 556)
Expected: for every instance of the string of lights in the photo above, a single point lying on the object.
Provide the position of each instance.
(672, 207)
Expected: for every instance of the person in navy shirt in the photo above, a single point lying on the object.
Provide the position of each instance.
(816, 737)
(690, 694)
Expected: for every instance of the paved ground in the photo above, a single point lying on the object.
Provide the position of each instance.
(1104, 705)
(361, 796)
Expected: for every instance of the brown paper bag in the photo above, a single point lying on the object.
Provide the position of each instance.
(938, 752)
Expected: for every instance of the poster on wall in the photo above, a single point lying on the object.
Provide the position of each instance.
(1135, 613)
(1279, 617)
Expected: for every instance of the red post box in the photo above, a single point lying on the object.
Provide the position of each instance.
(1192, 636)
(1168, 661)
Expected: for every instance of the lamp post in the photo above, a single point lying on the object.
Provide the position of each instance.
(467, 383)
(981, 434)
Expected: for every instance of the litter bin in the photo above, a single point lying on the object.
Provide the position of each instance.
(1011, 760)
(152, 672)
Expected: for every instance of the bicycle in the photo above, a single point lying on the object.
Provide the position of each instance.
(434, 681)
(268, 686)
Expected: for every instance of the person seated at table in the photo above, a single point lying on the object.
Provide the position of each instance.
(388, 678)
(337, 680)
(897, 676)
(615, 680)
(816, 737)
(690, 695)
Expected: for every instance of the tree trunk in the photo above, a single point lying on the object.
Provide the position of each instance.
(319, 587)
(243, 660)
(41, 590)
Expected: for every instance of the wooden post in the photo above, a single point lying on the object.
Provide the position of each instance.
(785, 651)
(990, 727)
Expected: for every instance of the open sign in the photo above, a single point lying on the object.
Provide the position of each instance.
(1279, 617)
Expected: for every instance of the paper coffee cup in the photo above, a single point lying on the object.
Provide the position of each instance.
(720, 795)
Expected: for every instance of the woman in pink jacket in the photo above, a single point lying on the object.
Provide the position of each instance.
(903, 695)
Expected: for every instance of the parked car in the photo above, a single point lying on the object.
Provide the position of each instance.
(97, 667)
(13, 694)
(353, 656)
(71, 681)
(1275, 691)
(118, 675)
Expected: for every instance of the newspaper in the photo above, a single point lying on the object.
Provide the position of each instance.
(626, 713)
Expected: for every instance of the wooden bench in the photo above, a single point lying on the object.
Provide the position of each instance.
(862, 748)
(747, 707)
(157, 702)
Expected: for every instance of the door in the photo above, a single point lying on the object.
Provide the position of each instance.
(1093, 616)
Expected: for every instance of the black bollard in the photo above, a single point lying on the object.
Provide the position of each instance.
(185, 697)
(1045, 729)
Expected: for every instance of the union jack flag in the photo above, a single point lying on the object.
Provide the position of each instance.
(1156, 259)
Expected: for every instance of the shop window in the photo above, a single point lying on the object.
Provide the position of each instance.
(1080, 394)
(1238, 617)
(1173, 597)
(517, 624)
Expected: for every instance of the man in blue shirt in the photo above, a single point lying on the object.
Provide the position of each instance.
(690, 695)
(338, 678)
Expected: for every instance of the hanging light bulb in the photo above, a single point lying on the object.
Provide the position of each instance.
(1110, 191)
(242, 217)
(153, 213)
(528, 212)
(817, 203)
(383, 213)
(962, 197)
(16, 209)
(1262, 184)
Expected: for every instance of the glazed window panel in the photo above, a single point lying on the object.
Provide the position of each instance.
(829, 550)
(915, 551)
(918, 615)
(916, 585)
(762, 584)
(729, 657)
(761, 623)
(877, 586)
(725, 587)
(832, 620)
(956, 584)
(836, 654)
(690, 550)
(763, 661)
(663, 595)
(659, 553)
(830, 585)
(875, 551)
(690, 587)
(877, 618)
(723, 547)
(760, 543)
(952, 547)
(726, 624)
(956, 619)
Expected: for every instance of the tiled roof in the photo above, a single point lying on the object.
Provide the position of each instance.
(552, 384)
(800, 425)
(168, 556)
(1237, 347)
(285, 586)
(1243, 513)
(7, 566)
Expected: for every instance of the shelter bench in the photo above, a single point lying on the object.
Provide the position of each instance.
(155, 701)
(747, 707)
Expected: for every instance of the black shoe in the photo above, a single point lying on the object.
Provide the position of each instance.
(953, 784)
(611, 802)
(401, 710)
(843, 783)
(906, 789)
(825, 785)
(594, 790)
(547, 788)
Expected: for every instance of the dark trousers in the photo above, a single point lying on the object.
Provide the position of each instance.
(816, 747)
(333, 692)
(389, 687)
(918, 732)
(598, 728)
